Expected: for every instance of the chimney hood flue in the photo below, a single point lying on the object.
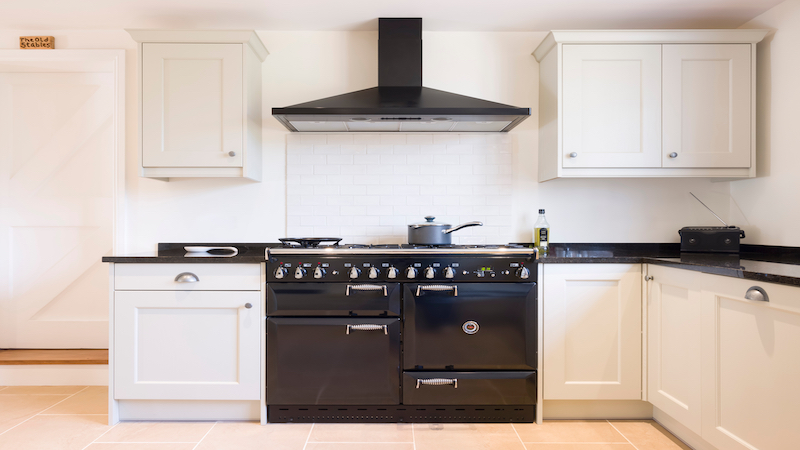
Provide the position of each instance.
(400, 102)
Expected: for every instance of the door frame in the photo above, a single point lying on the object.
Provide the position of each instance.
(113, 59)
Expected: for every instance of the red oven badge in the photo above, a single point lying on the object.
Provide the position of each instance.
(470, 327)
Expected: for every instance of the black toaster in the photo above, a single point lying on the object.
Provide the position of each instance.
(711, 239)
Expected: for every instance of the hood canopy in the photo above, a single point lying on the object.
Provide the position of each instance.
(400, 102)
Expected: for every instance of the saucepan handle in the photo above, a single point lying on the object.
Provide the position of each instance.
(463, 225)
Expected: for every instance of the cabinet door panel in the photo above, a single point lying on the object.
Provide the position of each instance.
(674, 376)
(611, 106)
(592, 335)
(707, 117)
(187, 345)
(751, 366)
(192, 105)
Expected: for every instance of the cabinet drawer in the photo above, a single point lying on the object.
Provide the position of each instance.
(210, 277)
(469, 388)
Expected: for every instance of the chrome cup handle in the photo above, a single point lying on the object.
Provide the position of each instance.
(463, 225)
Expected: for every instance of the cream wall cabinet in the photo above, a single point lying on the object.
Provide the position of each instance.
(187, 339)
(674, 354)
(660, 103)
(200, 103)
(592, 332)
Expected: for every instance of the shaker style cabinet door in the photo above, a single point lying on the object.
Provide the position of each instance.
(707, 110)
(751, 365)
(611, 106)
(187, 345)
(192, 105)
(673, 354)
(592, 332)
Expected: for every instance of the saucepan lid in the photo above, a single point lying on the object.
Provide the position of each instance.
(429, 223)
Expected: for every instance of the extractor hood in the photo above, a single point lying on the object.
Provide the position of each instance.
(400, 102)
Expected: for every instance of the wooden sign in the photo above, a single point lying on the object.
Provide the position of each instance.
(37, 42)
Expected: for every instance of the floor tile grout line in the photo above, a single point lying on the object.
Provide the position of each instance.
(623, 435)
(146, 442)
(98, 437)
(204, 436)
(72, 414)
(309, 435)
(524, 447)
(34, 415)
(413, 437)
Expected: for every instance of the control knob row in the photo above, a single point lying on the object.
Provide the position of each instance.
(392, 272)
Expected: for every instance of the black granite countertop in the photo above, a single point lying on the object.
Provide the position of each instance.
(175, 253)
(769, 264)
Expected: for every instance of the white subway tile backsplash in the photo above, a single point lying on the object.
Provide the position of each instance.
(340, 139)
(368, 187)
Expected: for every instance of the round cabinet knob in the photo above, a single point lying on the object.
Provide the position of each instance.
(299, 272)
(449, 272)
(280, 272)
(248, 305)
(523, 273)
(411, 272)
(319, 272)
(231, 154)
(392, 272)
(673, 155)
(430, 272)
(354, 272)
(374, 272)
(573, 155)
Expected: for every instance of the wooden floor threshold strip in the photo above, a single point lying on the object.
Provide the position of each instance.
(53, 356)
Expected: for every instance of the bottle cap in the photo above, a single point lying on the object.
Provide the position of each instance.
(541, 211)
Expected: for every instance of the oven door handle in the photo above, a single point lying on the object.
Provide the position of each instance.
(367, 327)
(437, 287)
(437, 382)
(367, 287)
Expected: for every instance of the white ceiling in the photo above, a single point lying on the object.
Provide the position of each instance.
(438, 15)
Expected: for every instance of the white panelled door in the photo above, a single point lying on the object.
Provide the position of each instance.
(707, 115)
(56, 208)
(611, 106)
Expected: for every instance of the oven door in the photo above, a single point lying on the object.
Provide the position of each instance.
(333, 361)
(470, 326)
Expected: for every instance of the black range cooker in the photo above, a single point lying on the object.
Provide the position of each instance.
(400, 333)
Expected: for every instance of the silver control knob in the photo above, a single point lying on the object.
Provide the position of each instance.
(449, 272)
(430, 272)
(354, 272)
(411, 272)
(523, 273)
(299, 272)
(319, 272)
(374, 272)
(280, 272)
(392, 272)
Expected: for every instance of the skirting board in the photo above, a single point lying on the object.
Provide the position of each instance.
(597, 409)
(54, 375)
(189, 410)
(680, 431)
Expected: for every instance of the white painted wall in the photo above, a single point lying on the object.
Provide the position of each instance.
(770, 204)
(304, 66)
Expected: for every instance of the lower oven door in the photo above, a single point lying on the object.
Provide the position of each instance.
(469, 388)
(333, 361)
(470, 326)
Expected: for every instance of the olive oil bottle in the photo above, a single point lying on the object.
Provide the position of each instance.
(541, 234)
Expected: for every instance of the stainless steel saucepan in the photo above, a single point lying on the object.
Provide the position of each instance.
(432, 233)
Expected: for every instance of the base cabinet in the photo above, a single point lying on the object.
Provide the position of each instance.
(592, 332)
(723, 365)
(187, 342)
(751, 365)
(674, 357)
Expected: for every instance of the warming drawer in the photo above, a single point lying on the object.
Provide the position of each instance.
(469, 388)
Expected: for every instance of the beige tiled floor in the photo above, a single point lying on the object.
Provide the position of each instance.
(74, 417)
